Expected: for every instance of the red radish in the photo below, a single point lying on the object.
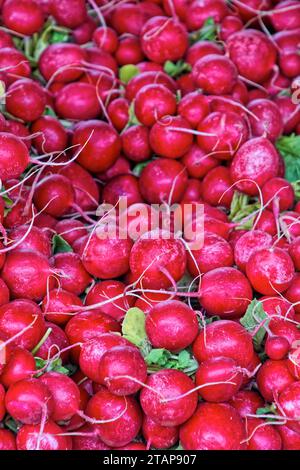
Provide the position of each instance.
(163, 180)
(270, 270)
(159, 437)
(272, 378)
(99, 143)
(129, 51)
(193, 107)
(215, 74)
(170, 138)
(105, 290)
(282, 19)
(65, 395)
(2, 402)
(277, 347)
(123, 416)
(217, 187)
(55, 195)
(163, 402)
(293, 293)
(6, 40)
(246, 402)
(248, 244)
(199, 12)
(54, 344)
(59, 304)
(278, 189)
(147, 78)
(73, 276)
(253, 54)
(14, 156)
(214, 426)
(230, 25)
(133, 446)
(120, 167)
(19, 130)
(31, 438)
(20, 365)
(4, 293)
(29, 401)
(77, 101)
(224, 338)
(215, 253)
(262, 435)
(248, 9)
(291, 222)
(289, 405)
(16, 64)
(152, 258)
(218, 369)
(290, 439)
(165, 320)
(69, 13)
(193, 191)
(197, 162)
(152, 102)
(148, 300)
(201, 49)
(290, 113)
(62, 62)
(122, 186)
(265, 222)
(90, 441)
(54, 136)
(36, 240)
(70, 230)
(106, 39)
(128, 18)
(116, 368)
(7, 440)
(268, 121)
(118, 112)
(279, 307)
(234, 292)
(43, 221)
(102, 59)
(26, 100)
(23, 16)
(256, 160)
(294, 251)
(135, 143)
(164, 39)
(84, 32)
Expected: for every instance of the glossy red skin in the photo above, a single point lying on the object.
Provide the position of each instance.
(201, 49)
(193, 107)
(199, 12)
(54, 137)
(293, 292)
(270, 270)
(193, 192)
(265, 222)
(292, 221)
(16, 316)
(169, 43)
(77, 101)
(161, 176)
(102, 59)
(17, 216)
(230, 24)
(36, 240)
(4, 293)
(68, 57)
(169, 143)
(54, 194)
(289, 403)
(215, 74)
(120, 167)
(246, 9)
(128, 18)
(118, 111)
(277, 347)
(133, 446)
(28, 400)
(74, 278)
(289, 112)
(118, 361)
(23, 16)
(170, 383)
(218, 369)
(26, 100)
(214, 426)
(102, 148)
(159, 437)
(45, 222)
(256, 160)
(246, 402)
(285, 193)
(104, 406)
(249, 243)
(290, 439)
(106, 39)
(19, 130)
(294, 251)
(15, 62)
(253, 54)
(197, 162)
(60, 305)
(135, 143)
(180, 7)
(27, 438)
(56, 341)
(269, 120)
(147, 78)
(87, 325)
(71, 230)
(129, 51)
(165, 320)
(84, 32)
(122, 186)
(6, 40)
(14, 156)
(2, 403)
(7, 440)
(148, 300)
(217, 187)
(103, 81)
(224, 280)
(215, 253)
(20, 365)
(224, 338)
(69, 13)
(65, 395)
(88, 442)
(172, 258)
(263, 436)
(152, 102)
(286, 20)
(272, 378)
(102, 291)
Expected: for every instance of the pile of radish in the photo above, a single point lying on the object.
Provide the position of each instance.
(149, 341)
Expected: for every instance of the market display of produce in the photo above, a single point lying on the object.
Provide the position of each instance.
(118, 331)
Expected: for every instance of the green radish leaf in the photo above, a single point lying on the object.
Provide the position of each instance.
(158, 359)
(208, 32)
(49, 112)
(174, 69)
(241, 208)
(266, 410)
(127, 72)
(59, 245)
(133, 326)
(132, 121)
(137, 170)
(296, 187)
(254, 317)
(289, 148)
(12, 424)
(212, 319)
(52, 366)
(59, 36)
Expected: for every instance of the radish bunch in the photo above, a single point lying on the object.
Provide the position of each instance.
(117, 332)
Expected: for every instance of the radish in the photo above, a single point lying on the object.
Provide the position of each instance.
(293, 293)
(290, 439)
(26, 100)
(197, 162)
(262, 435)
(135, 143)
(70, 230)
(201, 49)
(31, 438)
(153, 102)
(159, 437)
(215, 253)
(29, 401)
(4, 293)
(129, 51)
(193, 191)
(73, 276)
(56, 342)
(147, 78)
(84, 32)
(164, 39)
(282, 19)
(294, 251)
(248, 244)
(69, 13)
(20, 365)
(65, 395)
(55, 195)
(215, 74)
(199, 12)
(157, 259)
(272, 378)
(224, 338)
(14, 156)
(62, 62)
(123, 416)
(217, 187)
(265, 222)
(169, 399)
(270, 270)
(122, 186)
(7, 440)
(5, 40)
(36, 240)
(278, 189)
(168, 137)
(248, 9)
(120, 167)
(77, 101)
(59, 304)
(230, 24)
(106, 39)
(164, 322)
(23, 16)
(193, 107)
(214, 426)
(16, 64)
(90, 441)
(146, 301)
(224, 281)
(246, 402)
(118, 112)
(268, 122)
(277, 347)
(2, 402)
(290, 113)
(289, 405)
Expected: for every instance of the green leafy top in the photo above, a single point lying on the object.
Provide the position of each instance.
(254, 317)
(241, 208)
(163, 359)
(127, 72)
(59, 245)
(289, 147)
(137, 170)
(208, 32)
(174, 69)
(51, 366)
